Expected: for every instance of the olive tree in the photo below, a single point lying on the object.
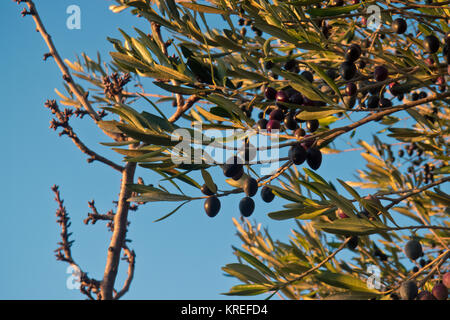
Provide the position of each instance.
(302, 74)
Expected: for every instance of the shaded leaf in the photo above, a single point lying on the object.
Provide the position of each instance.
(352, 226)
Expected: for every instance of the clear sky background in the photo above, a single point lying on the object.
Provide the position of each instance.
(178, 258)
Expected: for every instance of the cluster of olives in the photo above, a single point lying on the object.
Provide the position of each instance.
(414, 152)
(410, 148)
(280, 114)
(413, 250)
(409, 290)
(427, 167)
(247, 22)
(235, 170)
(348, 70)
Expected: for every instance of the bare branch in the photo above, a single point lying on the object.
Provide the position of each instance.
(63, 122)
(181, 110)
(416, 191)
(119, 233)
(95, 216)
(64, 253)
(130, 257)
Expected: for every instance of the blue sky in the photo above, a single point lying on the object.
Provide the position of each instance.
(179, 258)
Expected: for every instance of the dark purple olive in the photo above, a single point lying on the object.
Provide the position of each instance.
(248, 151)
(290, 91)
(268, 65)
(332, 74)
(341, 214)
(353, 243)
(394, 88)
(300, 132)
(431, 44)
(312, 125)
(337, 3)
(281, 97)
(373, 102)
(413, 249)
(446, 53)
(266, 194)
(247, 206)
(296, 98)
(290, 65)
(380, 73)
(308, 76)
(276, 114)
(206, 191)
(314, 158)
(385, 103)
(353, 53)
(347, 70)
(446, 280)
(232, 166)
(351, 89)
(408, 290)
(350, 101)
(440, 291)
(212, 206)
(262, 124)
(399, 26)
(270, 93)
(250, 186)
(308, 102)
(289, 122)
(238, 175)
(297, 154)
(273, 125)
(440, 80)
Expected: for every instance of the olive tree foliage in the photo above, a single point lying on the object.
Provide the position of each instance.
(217, 76)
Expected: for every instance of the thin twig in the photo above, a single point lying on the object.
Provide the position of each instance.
(417, 191)
(94, 216)
(63, 122)
(64, 253)
(119, 233)
(130, 257)
(304, 274)
(181, 110)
